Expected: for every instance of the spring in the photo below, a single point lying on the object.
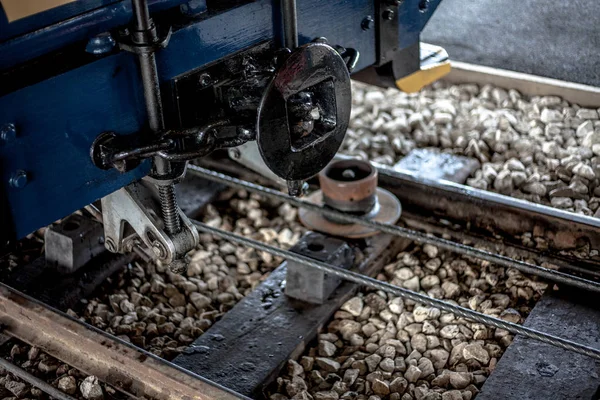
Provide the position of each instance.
(168, 205)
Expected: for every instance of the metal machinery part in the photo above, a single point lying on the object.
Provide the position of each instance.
(144, 100)
(351, 186)
(125, 206)
(131, 217)
(304, 113)
(311, 285)
(70, 244)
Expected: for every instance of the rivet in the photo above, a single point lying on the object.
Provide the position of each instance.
(367, 23)
(101, 44)
(8, 132)
(18, 179)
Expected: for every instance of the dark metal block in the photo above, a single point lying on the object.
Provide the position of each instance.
(73, 242)
(311, 285)
(533, 370)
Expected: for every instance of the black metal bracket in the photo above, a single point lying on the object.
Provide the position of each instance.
(386, 25)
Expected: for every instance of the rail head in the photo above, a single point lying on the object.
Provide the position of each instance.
(98, 353)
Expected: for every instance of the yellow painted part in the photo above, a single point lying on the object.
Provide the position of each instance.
(17, 9)
(418, 80)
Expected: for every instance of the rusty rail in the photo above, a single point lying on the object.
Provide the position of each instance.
(94, 352)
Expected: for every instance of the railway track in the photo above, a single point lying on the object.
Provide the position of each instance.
(490, 218)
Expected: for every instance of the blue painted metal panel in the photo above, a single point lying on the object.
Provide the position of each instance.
(52, 37)
(216, 37)
(340, 22)
(251, 24)
(57, 121)
(59, 118)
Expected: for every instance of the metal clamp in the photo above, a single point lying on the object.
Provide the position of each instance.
(125, 152)
(145, 42)
(131, 217)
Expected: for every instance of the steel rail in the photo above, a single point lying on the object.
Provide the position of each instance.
(404, 293)
(34, 380)
(422, 238)
(120, 364)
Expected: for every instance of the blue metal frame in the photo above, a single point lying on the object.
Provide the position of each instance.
(42, 33)
(58, 119)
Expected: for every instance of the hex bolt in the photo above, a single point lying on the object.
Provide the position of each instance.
(388, 15)
(367, 23)
(8, 133)
(349, 174)
(18, 179)
(297, 188)
(204, 80)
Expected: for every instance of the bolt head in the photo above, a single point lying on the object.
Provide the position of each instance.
(158, 250)
(8, 133)
(18, 180)
(234, 153)
(101, 44)
(205, 80)
(367, 23)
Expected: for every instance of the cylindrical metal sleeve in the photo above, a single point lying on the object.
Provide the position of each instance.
(349, 185)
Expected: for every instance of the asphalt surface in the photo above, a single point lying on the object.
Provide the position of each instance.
(552, 38)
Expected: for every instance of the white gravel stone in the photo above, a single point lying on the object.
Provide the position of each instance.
(412, 374)
(354, 306)
(584, 170)
(475, 351)
(67, 384)
(452, 395)
(396, 305)
(327, 364)
(421, 314)
(412, 284)
(430, 250)
(90, 388)
(449, 331)
(326, 349)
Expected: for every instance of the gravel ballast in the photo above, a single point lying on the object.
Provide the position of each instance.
(163, 312)
(541, 149)
(379, 346)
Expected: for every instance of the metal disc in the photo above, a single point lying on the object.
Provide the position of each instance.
(388, 213)
(318, 69)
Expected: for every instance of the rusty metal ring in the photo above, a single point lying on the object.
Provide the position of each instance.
(351, 186)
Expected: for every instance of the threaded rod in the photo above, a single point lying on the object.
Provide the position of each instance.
(169, 208)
